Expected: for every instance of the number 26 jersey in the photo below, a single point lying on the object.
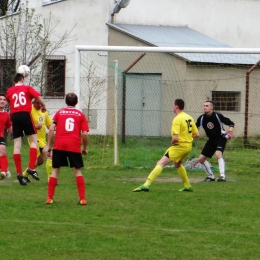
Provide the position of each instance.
(19, 98)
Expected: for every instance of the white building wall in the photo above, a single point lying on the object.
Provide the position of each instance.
(234, 22)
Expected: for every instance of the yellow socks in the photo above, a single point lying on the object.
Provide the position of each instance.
(183, 174)
(25, 173)
(48, 167)
(153, 175)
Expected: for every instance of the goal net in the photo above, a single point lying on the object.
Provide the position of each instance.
(127, 94)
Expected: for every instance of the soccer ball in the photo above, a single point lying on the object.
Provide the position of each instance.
(24, 70)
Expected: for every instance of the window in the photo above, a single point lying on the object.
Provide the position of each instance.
(9, 7)
(47, 2)
(55, 75)
(7, 71)
(226, 100)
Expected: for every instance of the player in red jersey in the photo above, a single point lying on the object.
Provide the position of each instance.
(20, 97)
(70, 125)
(5, 123)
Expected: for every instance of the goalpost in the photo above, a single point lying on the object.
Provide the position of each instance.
(127, 94)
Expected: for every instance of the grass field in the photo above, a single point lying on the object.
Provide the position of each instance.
(216, 221)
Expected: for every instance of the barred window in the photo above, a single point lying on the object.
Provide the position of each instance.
(9, 7)
(55, 75)
(226, 100)
(7, 71)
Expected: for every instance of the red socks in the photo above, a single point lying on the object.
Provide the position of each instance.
(4, 163)
(32, 158)
(18, 163)
(51, 187)
(81, 187)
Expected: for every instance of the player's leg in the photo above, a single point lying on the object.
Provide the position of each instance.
(3, 159)
(33, 156)
(59, 159)
(207, 152)
(17, 120)
(179, 154)
(18, 160)
(52, 185)
(48, 164)
(154, 173)
(219, 154)
(76, 163)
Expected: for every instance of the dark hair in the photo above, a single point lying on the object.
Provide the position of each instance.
(211, 102)
(18, 77)
(71, 99)
(180, 103)
(2, 95)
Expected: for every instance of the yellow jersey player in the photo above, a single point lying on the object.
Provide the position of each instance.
(183, 131)
(42, 120)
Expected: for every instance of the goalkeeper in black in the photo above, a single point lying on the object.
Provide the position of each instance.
(212, 123)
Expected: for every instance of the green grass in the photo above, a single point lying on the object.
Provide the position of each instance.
(216, 221)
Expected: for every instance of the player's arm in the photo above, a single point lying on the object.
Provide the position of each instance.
(228, 122)
(195, 131)
(50, 135)
(39, 98)
(198, 122)
(10, 130)
(175, 139)
(85, 142)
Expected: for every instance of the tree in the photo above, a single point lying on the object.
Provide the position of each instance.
(22, 37)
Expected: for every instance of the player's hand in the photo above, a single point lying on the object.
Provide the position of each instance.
(49, 152)
(84, 152)
(229, 135)
(39, 126)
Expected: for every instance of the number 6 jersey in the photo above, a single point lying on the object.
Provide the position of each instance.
(70, 123)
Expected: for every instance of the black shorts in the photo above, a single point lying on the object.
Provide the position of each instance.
(213, 145)
(2, 141)
(22, 124)
(60, 158)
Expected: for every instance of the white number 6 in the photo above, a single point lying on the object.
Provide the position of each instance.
(69, 125)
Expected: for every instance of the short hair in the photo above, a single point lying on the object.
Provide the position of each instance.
(180, 103)
(71, 99)
(209, 101)
(2, 95)
(18, 77)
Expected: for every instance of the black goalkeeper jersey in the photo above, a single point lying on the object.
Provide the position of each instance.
(213, 124)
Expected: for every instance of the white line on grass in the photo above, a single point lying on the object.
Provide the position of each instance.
(132, 227)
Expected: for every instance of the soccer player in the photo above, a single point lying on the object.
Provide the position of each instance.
(212, 123)
(20, 97)
(70, 124)
(5, 123)
(42, 120)
(183, 131)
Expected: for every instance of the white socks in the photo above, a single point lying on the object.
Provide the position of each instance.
(221, 164)
(208, 170)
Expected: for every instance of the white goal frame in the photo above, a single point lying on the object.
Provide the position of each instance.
(79, 48)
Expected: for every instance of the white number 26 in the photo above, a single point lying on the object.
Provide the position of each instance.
(19, 99)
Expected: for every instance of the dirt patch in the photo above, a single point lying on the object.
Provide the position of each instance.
(192, 180)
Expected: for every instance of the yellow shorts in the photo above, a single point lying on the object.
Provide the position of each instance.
(178, 152)
(40, 146)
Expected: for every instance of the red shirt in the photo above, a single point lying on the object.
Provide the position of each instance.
(70, 123)
(5, 122)
(20, 98)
